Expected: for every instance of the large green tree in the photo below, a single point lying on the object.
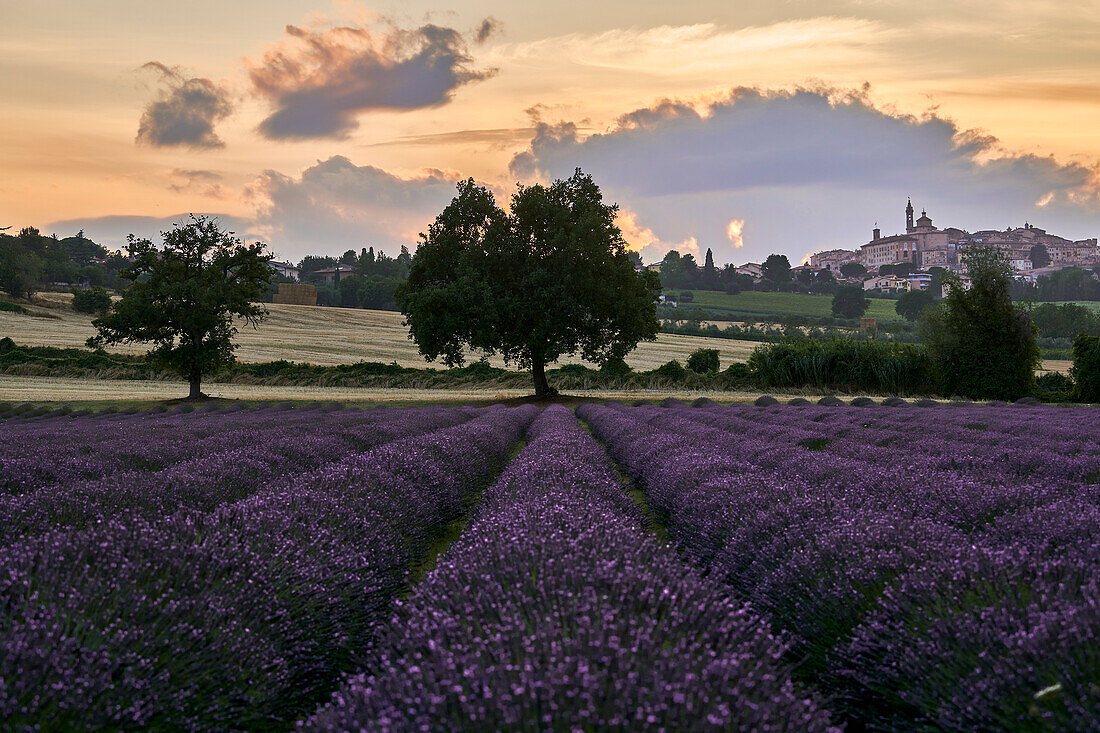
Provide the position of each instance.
(185, 297)
(551, 277)
(982, 345)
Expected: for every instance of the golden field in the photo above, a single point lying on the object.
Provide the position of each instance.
(324, 336)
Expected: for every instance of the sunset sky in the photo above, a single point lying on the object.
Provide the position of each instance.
(748, 127)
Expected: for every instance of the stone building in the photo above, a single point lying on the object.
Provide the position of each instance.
(833, 259)
(925, 245)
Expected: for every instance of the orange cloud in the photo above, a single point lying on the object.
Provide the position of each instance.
(733, 232)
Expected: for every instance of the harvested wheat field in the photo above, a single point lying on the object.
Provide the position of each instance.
(326, 336)
(56, 389)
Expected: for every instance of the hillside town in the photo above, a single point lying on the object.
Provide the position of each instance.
(1031, 251)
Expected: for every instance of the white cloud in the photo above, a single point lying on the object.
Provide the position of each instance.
(641, 239)
(810, 169)
(336, 205)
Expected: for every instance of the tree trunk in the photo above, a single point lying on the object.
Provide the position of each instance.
(196, 393)
(543, 389)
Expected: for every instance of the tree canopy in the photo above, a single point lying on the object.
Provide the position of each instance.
(1039, 256)
(913, 302)
(776, 268)
(852, 269)
(850, 301)
(981, 344)
(184, 298)
(551, 277)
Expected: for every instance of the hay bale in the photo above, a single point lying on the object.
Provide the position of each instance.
(765, 401)
(295, 294)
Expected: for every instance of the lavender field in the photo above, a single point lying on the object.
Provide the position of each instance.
(617, 568)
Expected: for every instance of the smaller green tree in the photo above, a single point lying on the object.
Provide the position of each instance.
(703, 361)
(1039, 256)
(92, 300)
(1086, 368)
(184, 298)
(20, 268)
(912, 303)
(982, 345)
(850, 301)
(852, 269)
(777, 269)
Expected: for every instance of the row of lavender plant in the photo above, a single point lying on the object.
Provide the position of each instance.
(273, 450)
(241, 618)
(917, 596)
(74, 449)
(1004, 442)
(886, 469)
(556, 611)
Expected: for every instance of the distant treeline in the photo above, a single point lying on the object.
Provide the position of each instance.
(30, 261)
(1053, 347)
(371, 282)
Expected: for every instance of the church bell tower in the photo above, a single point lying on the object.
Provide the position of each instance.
(909, 216)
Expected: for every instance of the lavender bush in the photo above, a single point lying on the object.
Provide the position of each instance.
(555, 611)
(238, 618)
(881, 541)
(270, 449)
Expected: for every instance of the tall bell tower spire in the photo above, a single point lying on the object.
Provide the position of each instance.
(909, 216)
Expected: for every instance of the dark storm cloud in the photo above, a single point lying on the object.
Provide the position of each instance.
(809, 169)
(325, 78)
(488, 27)
(184, 112)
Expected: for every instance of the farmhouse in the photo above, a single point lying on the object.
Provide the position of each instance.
(887, 284)
(833, 259)
(286, 269)
(333, 274)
